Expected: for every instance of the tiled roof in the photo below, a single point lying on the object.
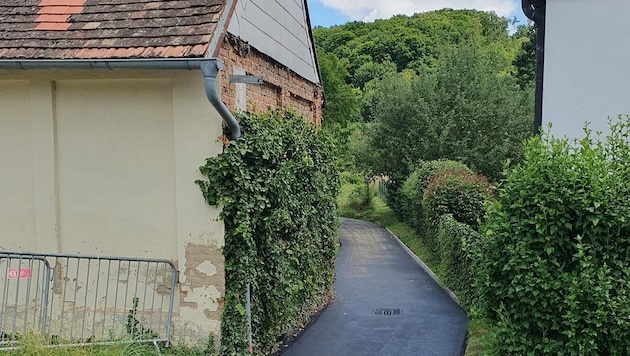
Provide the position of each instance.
(57, 29)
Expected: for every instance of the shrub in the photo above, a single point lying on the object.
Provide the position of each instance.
(554, 264)
(454, 240)
(277, 185)
(408, 199)
(456, 191)
(355, 194)
(460, 193)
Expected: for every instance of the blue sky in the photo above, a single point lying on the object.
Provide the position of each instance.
(335, 12)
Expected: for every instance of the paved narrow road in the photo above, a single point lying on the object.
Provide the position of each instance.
(386, 304)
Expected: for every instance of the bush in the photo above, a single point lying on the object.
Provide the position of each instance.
(355, 194)
(456, 191)
(454, 240)
(554, 266)
(407, 202)
(277, 185)
(461, 194)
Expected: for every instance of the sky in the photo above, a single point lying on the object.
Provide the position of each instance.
(336, 12)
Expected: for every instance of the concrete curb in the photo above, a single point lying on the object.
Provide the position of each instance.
(425, 268)
(434, 277)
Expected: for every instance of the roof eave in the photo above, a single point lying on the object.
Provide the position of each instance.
(109, 64)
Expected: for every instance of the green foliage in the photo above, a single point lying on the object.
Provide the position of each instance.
(277, 185)
(407, 202)
(341, 110)
(465, 110)
(456, 191)
(525, 61)
(369, 71)
(134, 327)
(342, 105)
(414, 42)
(554, 267)
(36, 344)
(356, 193)
(453, 241)
(443, 200)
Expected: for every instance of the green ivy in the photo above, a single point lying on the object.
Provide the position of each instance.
(277, 186)
(554, 262)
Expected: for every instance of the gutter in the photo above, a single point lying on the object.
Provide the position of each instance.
(209, 68)
(535, 10)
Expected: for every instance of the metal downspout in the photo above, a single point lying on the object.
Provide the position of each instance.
(209, 67)
(535, 10)
(210, 70)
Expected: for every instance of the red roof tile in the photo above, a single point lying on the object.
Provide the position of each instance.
(57, 29)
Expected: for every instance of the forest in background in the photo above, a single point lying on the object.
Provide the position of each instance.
(447, 84)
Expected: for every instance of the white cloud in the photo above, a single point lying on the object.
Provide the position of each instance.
(369, 10)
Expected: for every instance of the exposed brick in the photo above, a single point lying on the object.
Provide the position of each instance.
(283, 88)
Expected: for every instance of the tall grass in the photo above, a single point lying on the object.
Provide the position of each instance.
(33, 344)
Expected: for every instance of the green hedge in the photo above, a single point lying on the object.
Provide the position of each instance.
(454, 240)
(277, 185)
(444, 200)
(456, 191)
(554, 261)
(407, 202)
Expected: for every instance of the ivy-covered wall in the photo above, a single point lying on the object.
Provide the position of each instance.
(277, 185)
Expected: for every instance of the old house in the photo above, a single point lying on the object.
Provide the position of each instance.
(108, 108)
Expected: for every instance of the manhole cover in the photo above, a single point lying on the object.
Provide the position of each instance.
(387, 311)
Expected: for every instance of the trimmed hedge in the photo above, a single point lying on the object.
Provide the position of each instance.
(437, 188)
(456, 191)
(277, 185)
(554, 262)
(408, 201)
(455, 239)
(444, 200)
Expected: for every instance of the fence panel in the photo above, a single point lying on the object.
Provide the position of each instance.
(78, 300)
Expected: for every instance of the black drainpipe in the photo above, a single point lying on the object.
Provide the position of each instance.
(535, 11)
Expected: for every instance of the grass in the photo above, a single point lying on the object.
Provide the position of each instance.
(34, 345)
(480, 331)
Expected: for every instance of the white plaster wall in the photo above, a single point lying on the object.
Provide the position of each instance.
(587, 71)
(105, 163)
(116, 166)
(17, 225)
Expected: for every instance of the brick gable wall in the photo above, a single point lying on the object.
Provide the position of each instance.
(282, 88)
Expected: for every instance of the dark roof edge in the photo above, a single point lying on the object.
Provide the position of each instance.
(109, 64)
(310, 34)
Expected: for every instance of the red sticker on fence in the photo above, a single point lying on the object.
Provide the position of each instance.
(15, 273)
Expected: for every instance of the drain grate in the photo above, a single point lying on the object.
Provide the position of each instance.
(387, 311)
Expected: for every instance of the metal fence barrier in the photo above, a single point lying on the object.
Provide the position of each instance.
(73, 300)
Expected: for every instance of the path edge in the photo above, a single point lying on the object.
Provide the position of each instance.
(425, 268)
(435, 278)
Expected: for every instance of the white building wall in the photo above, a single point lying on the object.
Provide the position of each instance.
(279, 29)
(116, 166)
(17, 226)
(104, 163)
(587, 64)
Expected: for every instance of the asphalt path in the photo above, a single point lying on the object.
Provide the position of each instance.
(386, 304)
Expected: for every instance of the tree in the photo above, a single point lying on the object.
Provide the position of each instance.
(369, 71)
(341, 99)
(464, 110)
(525, 61)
